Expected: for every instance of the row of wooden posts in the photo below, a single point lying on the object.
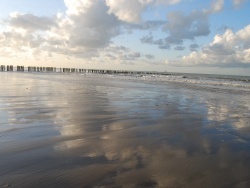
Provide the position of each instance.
(11, 68)
(7, 68)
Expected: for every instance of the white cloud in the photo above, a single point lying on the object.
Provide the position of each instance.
(86, 28)
(131, 10)
(88, 24)
(227, 50)
(17, 41)
(78, 6)
(127, 10)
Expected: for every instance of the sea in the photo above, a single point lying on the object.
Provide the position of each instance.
(231, 82)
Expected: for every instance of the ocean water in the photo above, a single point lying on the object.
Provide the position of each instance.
(218, 76)
(230, 83)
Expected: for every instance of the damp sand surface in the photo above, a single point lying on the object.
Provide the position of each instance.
(71, 130)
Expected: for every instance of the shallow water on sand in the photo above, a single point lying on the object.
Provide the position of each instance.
(104, 131)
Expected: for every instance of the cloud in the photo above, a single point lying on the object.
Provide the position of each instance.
(131, 10)
(92, 27)
(149, 56)
(146, 25)
(161, 43)
(82, 31)
(110, 57)
(127, 10)
(76, 7)
(30, 22)
(238, 3)
(19, 41)
(123, 55)
(227, 50)
(217, 6)
(179, 48)
(130, 56)
(181, 26)
(193, 47)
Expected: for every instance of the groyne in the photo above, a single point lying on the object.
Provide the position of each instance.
(11, 68)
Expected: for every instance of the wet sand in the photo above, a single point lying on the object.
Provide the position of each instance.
(105, 131)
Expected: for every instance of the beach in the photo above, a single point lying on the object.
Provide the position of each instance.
(100, 130)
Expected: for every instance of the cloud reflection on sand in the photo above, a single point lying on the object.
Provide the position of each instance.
(123, 133)
(169, 150)
(228, 111)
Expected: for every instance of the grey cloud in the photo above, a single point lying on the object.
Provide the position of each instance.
(124, 55)
(174, 40)
(118, 48)
(110, 57)
(146, 25)
(148, 40)
(193, 47)
(164, 47)
(78, 52)
(136, 55)
(131, 11)
(94, 28)
(31, 22)
(130, 56)
(17, 40)
(181, 26)
(179, 48)
(218, 49)
(149, 56)
(226, 50)
(161, 43)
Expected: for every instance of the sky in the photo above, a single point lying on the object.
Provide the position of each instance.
(194, 36)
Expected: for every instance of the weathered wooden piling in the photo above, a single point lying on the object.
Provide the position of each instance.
(66, 70)
(2, 68)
